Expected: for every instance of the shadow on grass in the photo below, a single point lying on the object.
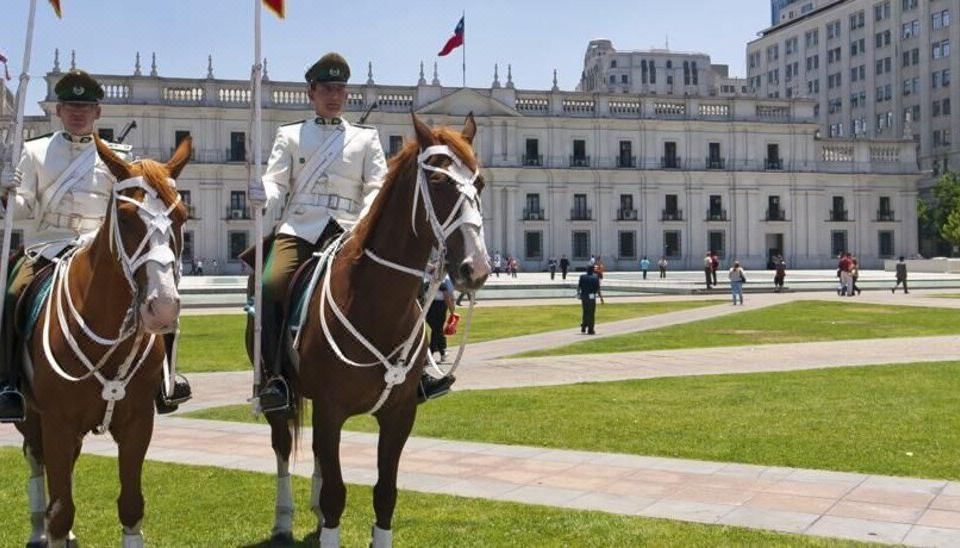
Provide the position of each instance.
(312, 540)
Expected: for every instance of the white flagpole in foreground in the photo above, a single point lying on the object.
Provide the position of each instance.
(15, 158)
(257, 172)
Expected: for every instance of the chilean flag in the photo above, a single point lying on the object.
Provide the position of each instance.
(455, 41)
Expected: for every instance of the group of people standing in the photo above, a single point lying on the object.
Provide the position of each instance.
(848, 272)
(510, 266)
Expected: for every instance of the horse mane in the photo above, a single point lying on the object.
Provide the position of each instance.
(156, 175)
(403, 166)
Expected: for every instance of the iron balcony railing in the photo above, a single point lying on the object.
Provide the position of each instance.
(776, 215)
(581, 214)
(533, 214)
(671, 215)
(716, 214)
(627, 214)
(838, 215)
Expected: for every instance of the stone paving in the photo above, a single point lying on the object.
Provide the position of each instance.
(833, 504)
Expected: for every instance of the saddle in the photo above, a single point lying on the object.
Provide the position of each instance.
(297, 297)
(31, 300)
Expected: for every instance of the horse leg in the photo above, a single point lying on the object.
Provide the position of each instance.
(60, 449)
(282, 442)
(36, 485)
(394, 430)
(132, 440)
(329, 495)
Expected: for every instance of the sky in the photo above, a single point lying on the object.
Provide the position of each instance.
(534, 36)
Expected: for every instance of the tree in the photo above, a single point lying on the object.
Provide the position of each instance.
(950, 231)
(933, 214)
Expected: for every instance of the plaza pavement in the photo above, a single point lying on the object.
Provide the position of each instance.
(910, 511)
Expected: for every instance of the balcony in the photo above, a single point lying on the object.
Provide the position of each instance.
(776, 215)
(237, 213)
(885, 215)
(534, 214)
(579, 161)
(581, 214)
(535, 160)
(670, 162)
(773, 164)
(671, 215)
(627, 215)
(717, 215)
(838, 215)
(626, 161)
(235, 155)
(716, 163)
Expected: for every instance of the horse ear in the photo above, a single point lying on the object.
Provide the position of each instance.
(114, 163)
(424, 134)
(469, 128)
(180, 157)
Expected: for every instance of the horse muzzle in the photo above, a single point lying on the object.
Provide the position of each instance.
(471, 274)
(160, 314)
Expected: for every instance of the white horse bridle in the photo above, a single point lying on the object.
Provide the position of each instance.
(154, 247)
(398, 361)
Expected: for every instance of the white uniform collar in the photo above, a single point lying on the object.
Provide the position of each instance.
(77, 139)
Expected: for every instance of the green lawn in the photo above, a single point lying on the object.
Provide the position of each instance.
(799, 321)
(893, 419)
(215, 343)
(202, 506)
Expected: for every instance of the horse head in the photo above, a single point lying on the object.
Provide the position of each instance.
(145, 221)
(452, 175)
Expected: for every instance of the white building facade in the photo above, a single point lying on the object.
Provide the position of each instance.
(619, 175)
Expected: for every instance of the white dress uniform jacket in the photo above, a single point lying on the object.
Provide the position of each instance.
(79, 210)
(344, 191)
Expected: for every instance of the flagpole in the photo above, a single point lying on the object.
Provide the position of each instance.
(15, 156)
(463, 52)
(258, 211)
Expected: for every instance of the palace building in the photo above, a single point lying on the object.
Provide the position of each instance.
(620, 171)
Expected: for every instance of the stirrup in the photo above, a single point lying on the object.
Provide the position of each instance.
(275, 406)
(11, 392)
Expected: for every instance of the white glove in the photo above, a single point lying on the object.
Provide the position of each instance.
(257, 196)
(8, 180)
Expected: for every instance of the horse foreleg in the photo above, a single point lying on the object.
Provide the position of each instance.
(332, 497)
(395, 428)
(60, 447)
(282, 442)
(36, 485)
(133, 440)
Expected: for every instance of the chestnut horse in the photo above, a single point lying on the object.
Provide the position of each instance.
(95, 356)
(365, 309)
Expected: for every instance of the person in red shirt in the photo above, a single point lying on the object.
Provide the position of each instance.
(846, 276)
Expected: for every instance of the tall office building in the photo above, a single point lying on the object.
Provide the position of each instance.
(877, 69)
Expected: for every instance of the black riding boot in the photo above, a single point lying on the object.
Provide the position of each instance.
(431, 388)
(181, 388)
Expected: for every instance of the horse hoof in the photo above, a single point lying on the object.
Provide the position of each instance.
(282, 539)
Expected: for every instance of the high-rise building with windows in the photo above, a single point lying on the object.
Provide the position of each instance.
(877, 69)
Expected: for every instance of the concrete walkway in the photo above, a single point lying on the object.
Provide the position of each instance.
(833, 504)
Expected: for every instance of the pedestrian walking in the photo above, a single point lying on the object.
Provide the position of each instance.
(599, 268)
(662, 265)
(564, 266)
(552, 266)
(708, 268)
(644, 266)
(901, 276)
(854, 276)
(588, 291)
(714, 266)
(737, 279)
(437, 316)
(780, 266)
(843, 271)
(497, 263)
